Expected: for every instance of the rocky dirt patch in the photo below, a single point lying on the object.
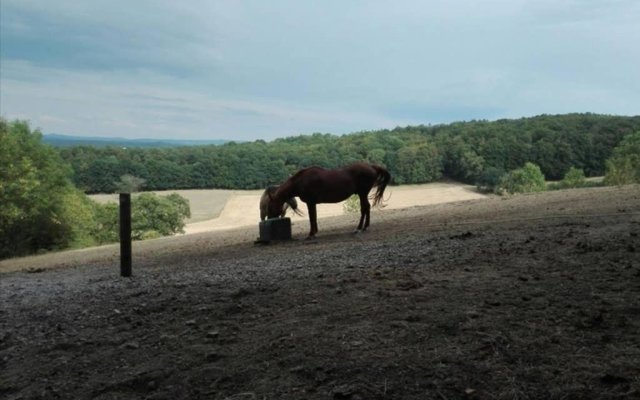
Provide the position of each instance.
(525, 297)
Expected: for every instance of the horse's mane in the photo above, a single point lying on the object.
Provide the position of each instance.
(298, 174)
(288, 185)
(285, 192)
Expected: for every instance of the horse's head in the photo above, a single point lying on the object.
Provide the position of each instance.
(275, 205)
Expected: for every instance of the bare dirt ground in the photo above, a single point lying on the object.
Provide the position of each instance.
(534, 296)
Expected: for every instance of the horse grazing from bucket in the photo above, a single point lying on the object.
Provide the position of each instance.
(317, 185)
(264, 203)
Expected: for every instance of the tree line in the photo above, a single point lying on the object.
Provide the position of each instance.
(464, 151)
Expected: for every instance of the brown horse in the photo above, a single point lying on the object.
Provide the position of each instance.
(264, 203)
(316, 185)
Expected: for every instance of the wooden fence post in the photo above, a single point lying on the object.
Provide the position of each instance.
(125, 234)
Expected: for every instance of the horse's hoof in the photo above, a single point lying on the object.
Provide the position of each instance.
(310, 240)
(356, 231)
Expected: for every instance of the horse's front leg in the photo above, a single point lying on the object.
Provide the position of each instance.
(313, 220)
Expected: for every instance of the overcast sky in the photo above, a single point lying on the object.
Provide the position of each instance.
(248, 70)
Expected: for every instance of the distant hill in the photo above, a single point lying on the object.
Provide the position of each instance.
(58, 140)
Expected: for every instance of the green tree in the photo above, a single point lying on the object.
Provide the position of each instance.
(417, 164)
(490, 179)
(107, 228)
(460, 160)
(376, 156)
(153, 215)
(523, 180)
(129, 184)
(80, 212)
(574, 178)
(624, 166)
(34, 185)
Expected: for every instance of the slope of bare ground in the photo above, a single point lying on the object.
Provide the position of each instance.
(531, 296)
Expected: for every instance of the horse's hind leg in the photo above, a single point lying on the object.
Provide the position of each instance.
(313, 220)
(365, 208)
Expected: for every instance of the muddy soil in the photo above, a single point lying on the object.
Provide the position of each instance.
(529, 297)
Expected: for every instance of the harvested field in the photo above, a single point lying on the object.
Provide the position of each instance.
(529, 297)
(205, 204)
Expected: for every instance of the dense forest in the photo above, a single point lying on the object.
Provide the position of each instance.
(57, 140)
(464, 151)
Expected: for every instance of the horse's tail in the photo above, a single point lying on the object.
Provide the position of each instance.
(382, 180)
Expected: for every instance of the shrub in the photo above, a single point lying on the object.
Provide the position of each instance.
(624, 166)
(162, 214)
(351, 205)
(152, 216)
(620, 171)
(574, 178)
(523, 180)
(107, 228)
(80, 214)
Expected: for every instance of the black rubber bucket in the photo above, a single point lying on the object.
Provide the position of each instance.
(275, 229)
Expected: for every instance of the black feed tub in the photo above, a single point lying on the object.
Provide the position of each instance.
(275, 229)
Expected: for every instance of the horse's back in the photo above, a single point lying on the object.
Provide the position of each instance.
(364, 174)
(322, 185)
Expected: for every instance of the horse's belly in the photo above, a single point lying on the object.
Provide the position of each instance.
(325, 198)
(333, 190)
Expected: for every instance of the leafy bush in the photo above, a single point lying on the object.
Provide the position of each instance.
(620, 171)
(351, 205)
(80, 212)
(523, 180)
(624, 166)
(107, 223)
(152, 216)
(574, 178)
(164, 215)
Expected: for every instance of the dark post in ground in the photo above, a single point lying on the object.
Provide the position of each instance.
(125, 234)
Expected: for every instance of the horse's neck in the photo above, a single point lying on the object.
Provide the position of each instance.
(286, 191)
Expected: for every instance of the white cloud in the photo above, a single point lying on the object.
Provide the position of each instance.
(98, 104)
(269, 69)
